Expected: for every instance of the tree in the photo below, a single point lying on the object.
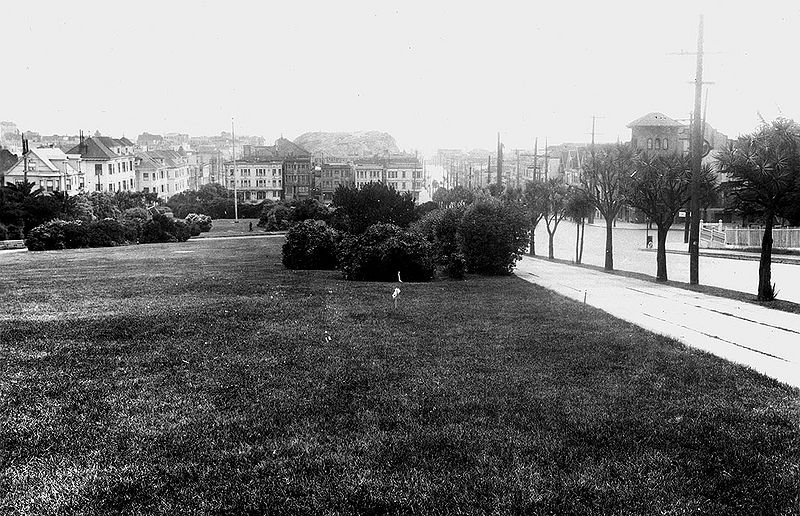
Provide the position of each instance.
(555, 206)
(371, 204)
(604, 171)
(764, 183)
(660, 187)
(533, 200)
(578, 209)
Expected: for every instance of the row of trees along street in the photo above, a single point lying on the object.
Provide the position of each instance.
(761, 182)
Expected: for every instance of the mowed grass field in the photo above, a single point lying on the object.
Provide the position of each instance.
(204, 378)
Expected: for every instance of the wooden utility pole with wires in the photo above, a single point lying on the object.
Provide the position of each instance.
(697, 149)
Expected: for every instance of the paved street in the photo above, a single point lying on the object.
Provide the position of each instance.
(764, 339)
(629, 255)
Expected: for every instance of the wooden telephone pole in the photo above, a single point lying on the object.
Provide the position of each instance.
(697, 150)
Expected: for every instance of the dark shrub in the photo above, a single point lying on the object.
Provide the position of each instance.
(383, 250)
(106, 233)
(14, 232)
(47, 236)
(441, 228)
(199, 223)
(181, 230)
(277, 218)
(133, 230)
(373, 203)
(76, 234)
(3, 232)
(158, 230)
(310, 245)
(492, 237)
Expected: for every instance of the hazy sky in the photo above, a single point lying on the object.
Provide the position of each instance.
(443, 74)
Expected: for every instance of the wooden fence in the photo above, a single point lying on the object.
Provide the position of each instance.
(745, 237)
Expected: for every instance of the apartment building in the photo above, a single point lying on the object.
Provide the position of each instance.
(164, 172)
(107, 164)
(256, 178)
(331, 176)
(364, 173)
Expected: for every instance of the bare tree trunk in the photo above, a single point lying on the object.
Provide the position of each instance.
(533, 241)
(661, 253)
(765, 291)
(583, 232)
(550, 244)
(609, 266)
(577, 241)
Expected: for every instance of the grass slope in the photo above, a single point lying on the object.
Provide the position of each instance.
(204, 378)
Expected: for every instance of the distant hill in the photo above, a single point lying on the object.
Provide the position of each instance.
(341, 145)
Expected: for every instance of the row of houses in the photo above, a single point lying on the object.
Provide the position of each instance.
(104, 164)
(280, 171)
(287, 171)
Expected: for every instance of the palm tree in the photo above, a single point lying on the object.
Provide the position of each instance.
(764, 182)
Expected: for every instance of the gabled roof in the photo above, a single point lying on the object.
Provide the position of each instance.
(126, 142)
(93, 148)
(654, 119)
(284, 147)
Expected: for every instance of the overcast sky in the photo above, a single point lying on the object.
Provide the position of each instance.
(444, 74)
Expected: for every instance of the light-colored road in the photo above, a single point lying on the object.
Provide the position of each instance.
(766, 340)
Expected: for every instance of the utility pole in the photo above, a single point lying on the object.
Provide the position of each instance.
(499, 161)
(235, 193)
(536, 159)
(546, 161)
(697, 149)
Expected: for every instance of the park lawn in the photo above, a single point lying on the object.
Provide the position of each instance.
(234, 228)
(202, 377)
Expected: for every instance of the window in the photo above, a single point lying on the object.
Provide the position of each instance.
(98, 169)
(649, 143)
(69, 185)
(404, 183)
(110, 187)
(404, 175)
(666, 144)
(658, 143)
(162, 188)
(110, 168)
(146, 189)
(97, 187)
(261, 195)
(80, 186)
(146, 176)
(131, 183)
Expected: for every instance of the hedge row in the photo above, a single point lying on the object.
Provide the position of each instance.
(488, 237)
(74, 234)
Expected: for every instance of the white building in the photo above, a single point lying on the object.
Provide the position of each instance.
(164, 172)
(50, 169)
(256, 179)
(106, 163)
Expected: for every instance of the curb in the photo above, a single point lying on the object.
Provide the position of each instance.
(732, 256)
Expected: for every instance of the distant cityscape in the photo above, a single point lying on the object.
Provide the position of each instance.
(312, 166)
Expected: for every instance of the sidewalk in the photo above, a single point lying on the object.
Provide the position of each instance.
(764, 339)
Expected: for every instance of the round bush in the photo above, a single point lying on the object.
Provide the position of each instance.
(310, 244)
(382, 251)
(46, 237)
(493, 236)
(199, 223)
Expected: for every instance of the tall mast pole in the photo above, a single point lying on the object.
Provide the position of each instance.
(235, 192)
(536, 159)
(697, 150)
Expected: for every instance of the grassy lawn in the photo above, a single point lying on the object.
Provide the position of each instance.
(229, 227)
(204, 378)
